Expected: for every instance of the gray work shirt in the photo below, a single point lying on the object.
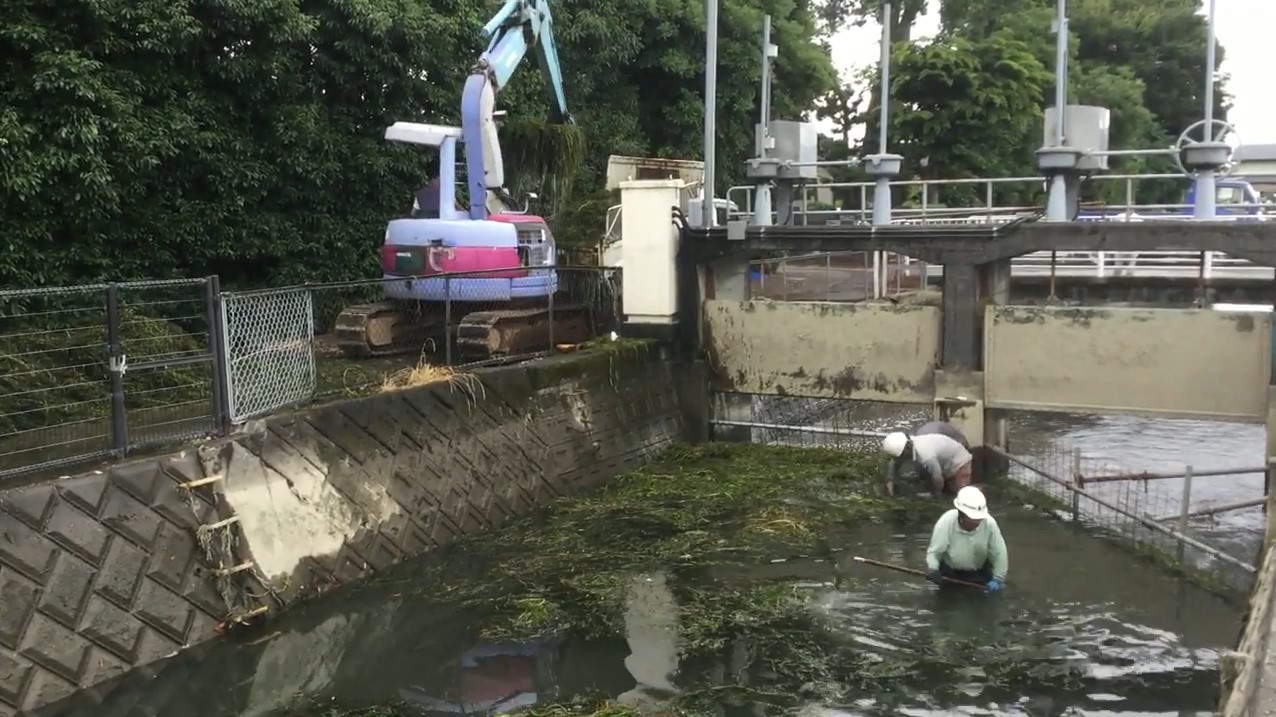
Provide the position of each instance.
(939, 455)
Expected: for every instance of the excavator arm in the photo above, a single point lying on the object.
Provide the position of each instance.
(520, 25)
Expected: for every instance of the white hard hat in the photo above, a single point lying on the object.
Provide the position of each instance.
(970, 501)
(894, 443)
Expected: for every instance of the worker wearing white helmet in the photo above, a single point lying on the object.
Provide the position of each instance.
(942, 458)
(966, 544)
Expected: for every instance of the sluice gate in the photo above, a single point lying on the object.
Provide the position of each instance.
(974, 356)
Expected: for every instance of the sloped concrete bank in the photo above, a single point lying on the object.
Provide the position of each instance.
(109, 571)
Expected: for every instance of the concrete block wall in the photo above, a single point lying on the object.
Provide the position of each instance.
(110, 571)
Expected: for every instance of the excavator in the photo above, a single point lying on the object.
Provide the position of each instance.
(431, 259)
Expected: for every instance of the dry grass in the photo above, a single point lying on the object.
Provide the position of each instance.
(425, 373)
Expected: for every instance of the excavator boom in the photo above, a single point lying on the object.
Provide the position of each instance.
(519, 26)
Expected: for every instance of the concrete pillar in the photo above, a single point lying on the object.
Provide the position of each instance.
(996, 290)
(729, 280)
(959, 384)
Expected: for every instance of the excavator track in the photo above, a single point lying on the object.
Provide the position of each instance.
(511, 332)
(387, 328)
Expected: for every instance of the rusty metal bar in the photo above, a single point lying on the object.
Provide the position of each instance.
(802, 429)
(1143, 520)
(1216, 509)
(1164, 476)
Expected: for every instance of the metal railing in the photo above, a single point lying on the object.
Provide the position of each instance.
(927, 209)
(103, 370)
(1157, 512)
(859, 275)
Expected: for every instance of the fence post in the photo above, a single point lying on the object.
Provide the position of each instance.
(784, 279)
(828, 276)
(1185, 512)
(117, 365)
(447, 319)
(1076, 485)
(217, 350)
(553, 289)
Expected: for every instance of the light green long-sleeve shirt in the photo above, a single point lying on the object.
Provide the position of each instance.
(964, 550)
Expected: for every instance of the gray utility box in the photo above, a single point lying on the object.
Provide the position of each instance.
(794, 142)
(1086, 128)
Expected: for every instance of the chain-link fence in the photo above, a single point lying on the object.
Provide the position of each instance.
(835, 276)
(810, 422)
(288, 346)
(94, 371)
(1164, 514)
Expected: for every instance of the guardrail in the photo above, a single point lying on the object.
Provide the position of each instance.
(1070, 264)
(930, 193)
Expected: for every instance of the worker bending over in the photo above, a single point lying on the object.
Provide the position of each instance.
(966, 544)
(933, 449)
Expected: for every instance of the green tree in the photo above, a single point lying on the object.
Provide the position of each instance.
(967, 108)
(244, 138)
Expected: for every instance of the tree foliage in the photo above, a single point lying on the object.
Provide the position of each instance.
(244, 137)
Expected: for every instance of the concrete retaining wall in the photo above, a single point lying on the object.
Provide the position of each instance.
(105, 572)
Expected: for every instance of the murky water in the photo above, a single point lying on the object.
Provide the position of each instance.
(1082, 629)
(1111, 444)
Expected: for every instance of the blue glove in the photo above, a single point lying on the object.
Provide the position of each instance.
(935, 577)
(994, 585)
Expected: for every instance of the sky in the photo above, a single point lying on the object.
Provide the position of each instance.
(1243, 28)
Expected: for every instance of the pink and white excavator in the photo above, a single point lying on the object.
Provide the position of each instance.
(427, 295)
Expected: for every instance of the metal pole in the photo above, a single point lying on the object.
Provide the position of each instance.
(1186, 510)
(882, 185)
(1209, 72)
(766, 78)
(217, 350)
(1076, 481)
(710, 107)
(1204, 206)
(118, 364)
(1060, 69)
(762, 212)
(885, 65)
(1057, 199)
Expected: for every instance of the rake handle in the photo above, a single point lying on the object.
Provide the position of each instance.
(911, 571)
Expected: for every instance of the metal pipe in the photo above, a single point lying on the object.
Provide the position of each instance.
(882, 184)
(885, 68)
(766, 78)
(804, 429)
(1209, 71)
(1206, 191)
(1164, 476)
(1216, 509)
(1144, 520)
(1132, 152)
(710, 108)
(762, 214)
(1060, 69)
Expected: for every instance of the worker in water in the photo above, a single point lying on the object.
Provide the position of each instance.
(966, 544)
(938, 450)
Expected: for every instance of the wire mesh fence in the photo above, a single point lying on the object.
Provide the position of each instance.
(289, 346)
(1164, 514)
(836, 276)
(810, 422)
(101, 370)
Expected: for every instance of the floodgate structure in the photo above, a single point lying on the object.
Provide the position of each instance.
(108, 570)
